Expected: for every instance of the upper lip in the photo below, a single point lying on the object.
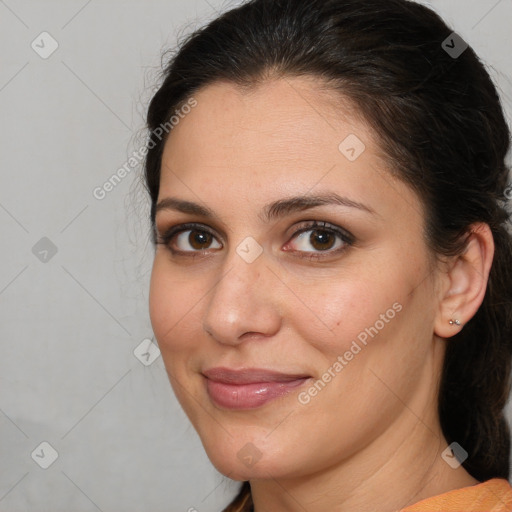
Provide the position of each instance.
(249, 375)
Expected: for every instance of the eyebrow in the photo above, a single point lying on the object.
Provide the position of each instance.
(271, 211)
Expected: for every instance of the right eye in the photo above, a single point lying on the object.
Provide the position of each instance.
(188, 238)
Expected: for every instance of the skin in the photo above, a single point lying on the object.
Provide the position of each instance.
(370, 439)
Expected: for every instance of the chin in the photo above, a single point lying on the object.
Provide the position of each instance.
(242, 459)
(235, 470)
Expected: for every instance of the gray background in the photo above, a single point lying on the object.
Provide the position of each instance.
(72, 319)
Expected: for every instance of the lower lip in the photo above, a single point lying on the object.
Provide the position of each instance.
(249, 396)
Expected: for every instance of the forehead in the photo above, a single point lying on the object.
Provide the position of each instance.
(287, 121)
(240, 149)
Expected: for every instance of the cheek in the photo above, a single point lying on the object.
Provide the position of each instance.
(172, 304)
(343, 308)
(379, 332)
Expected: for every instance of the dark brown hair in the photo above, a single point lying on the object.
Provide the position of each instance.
(440, 123)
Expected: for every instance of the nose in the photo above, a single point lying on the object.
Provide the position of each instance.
(243, 303)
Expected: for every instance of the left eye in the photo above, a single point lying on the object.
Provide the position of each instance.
(316, 239)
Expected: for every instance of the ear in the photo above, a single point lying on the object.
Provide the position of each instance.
(464, 285)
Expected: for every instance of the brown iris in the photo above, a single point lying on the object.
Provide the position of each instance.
(321, 239)
(198, 239)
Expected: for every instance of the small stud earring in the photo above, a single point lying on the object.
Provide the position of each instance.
(454, 322)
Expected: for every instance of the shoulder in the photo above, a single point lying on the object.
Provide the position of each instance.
(494, 495)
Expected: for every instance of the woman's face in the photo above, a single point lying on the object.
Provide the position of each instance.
(290, 346)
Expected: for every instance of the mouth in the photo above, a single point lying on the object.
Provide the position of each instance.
(249, 388)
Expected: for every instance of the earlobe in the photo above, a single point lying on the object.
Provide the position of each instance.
(467, 280)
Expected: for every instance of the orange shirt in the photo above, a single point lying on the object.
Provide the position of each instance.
(494, 495)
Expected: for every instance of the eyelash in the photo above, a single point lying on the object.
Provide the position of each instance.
(348, 239)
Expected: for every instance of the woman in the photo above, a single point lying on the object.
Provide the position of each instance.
(332, 286)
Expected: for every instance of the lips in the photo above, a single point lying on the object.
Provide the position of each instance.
(249, 388)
